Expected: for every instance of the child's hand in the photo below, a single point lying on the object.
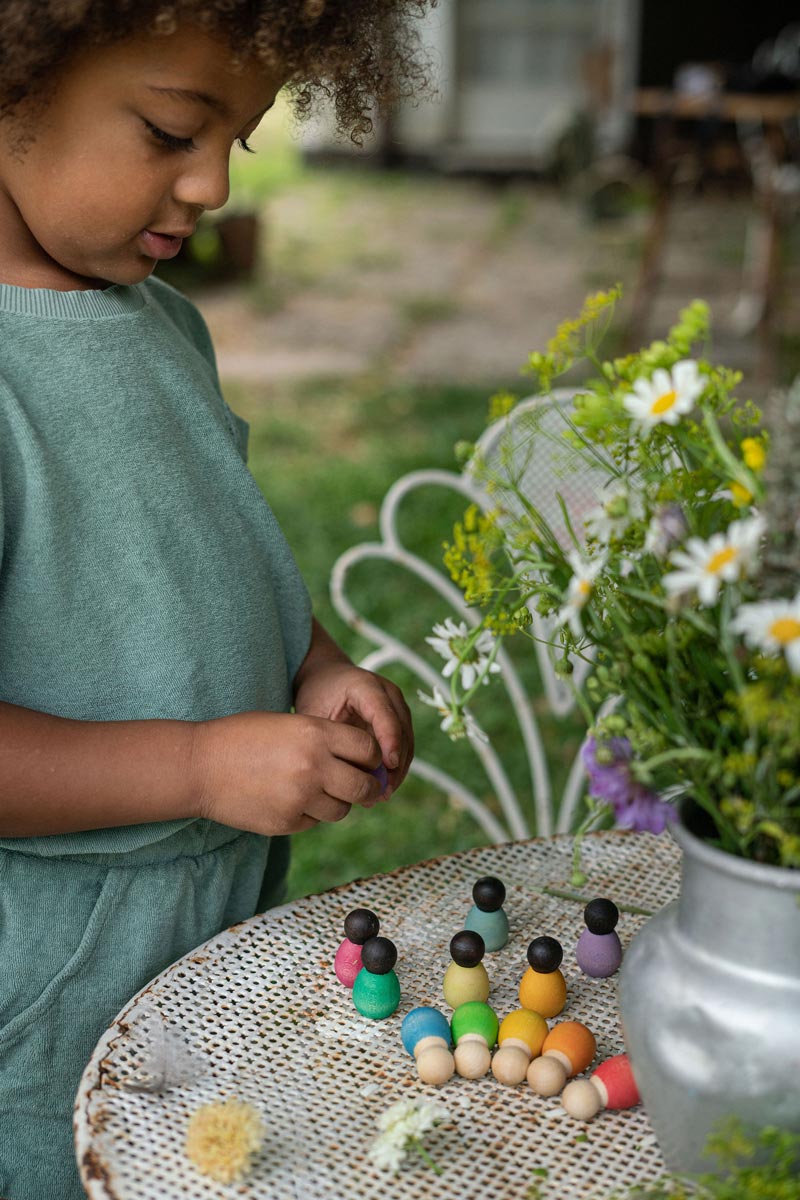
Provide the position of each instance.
(275, 773)
(342, 692)
(331, 686)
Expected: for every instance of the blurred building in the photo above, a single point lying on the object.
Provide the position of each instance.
(514, 76)
(517, 77)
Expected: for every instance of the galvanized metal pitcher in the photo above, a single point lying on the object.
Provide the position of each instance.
(710, 1002)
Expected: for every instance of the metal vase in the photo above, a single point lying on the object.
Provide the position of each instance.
(710, 1001)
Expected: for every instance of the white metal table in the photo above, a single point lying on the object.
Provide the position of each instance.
(265, 1019)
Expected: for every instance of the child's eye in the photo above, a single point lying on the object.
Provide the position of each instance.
(244, 145)
(169, 140)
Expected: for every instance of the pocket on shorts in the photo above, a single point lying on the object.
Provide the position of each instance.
(49, 984)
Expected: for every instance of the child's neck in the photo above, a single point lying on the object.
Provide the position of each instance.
(43, 275)
(25, 263)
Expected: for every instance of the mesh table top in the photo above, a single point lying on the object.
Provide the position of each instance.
(263, 1018)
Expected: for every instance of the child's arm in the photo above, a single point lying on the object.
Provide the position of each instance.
(264, 772)
(331, 686)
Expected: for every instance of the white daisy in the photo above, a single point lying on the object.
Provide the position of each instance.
(772, 626)
(666, 397)
(457, 723)
(621, 505)
(450, 640)
(725, 557)
(585, 571)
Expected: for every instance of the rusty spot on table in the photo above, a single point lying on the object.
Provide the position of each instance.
(95, 1168)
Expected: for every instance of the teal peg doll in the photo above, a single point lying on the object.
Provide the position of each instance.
(486, 916)
(376, 991)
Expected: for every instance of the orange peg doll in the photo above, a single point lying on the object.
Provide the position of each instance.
(542, 988)
(567, 1050)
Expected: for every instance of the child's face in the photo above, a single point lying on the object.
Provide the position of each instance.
(117, 160)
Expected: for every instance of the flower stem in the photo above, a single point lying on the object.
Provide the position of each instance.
(434, 1166)
(590, 821)
(560, 894)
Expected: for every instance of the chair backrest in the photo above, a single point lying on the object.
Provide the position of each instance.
(528, 444)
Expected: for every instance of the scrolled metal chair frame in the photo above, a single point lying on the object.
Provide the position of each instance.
(542, 483)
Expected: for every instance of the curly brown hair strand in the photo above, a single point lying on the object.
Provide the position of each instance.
(361, 55)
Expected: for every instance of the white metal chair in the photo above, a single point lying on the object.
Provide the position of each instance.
(529, 443)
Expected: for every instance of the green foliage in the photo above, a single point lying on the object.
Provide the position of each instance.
(757, 1166)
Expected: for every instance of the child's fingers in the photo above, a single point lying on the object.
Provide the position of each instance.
(351, 784)
(327, 808)
(382, 706)
(396, 738)
(406, 751)
(353, 743)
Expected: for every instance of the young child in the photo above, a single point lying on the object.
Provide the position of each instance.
(155, 634)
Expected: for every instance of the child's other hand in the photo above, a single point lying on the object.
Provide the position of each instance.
(274, 773)
(340, 691)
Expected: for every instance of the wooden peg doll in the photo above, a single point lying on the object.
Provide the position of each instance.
(520, 1039)
(474, 1027)
(542, 988)
(426, 1036)
(359, 925)
(376, 991)
(466, 979)
(567, 1050)
(599, 951)
(612, 1085)
(486, 916)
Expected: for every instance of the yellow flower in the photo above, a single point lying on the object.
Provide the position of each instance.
(222, 1138)
(754, 453)
(741, 496)
(500, 405)
(468, 556)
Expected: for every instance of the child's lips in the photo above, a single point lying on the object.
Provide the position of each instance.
(160, 245)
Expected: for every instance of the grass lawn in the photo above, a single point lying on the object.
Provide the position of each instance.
(324, 454)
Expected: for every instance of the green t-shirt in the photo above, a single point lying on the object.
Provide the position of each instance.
(142, 573)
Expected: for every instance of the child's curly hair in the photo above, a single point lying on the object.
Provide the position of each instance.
(357, 53)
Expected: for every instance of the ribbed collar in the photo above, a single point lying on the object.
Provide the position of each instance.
(96, 304)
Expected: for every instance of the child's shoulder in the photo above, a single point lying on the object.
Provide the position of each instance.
(180, 311)
(174, 303)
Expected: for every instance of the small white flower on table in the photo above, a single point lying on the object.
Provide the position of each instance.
(704, 566)
(403, 1127)
(772, 626)
(665, 398)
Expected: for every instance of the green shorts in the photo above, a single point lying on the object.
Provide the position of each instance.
(79, 936)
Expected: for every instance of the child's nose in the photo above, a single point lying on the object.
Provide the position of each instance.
(204, 183)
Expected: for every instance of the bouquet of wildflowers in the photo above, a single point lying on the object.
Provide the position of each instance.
(681, 587)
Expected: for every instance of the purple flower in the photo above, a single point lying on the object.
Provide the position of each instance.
(667, 528)
(634, 806)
